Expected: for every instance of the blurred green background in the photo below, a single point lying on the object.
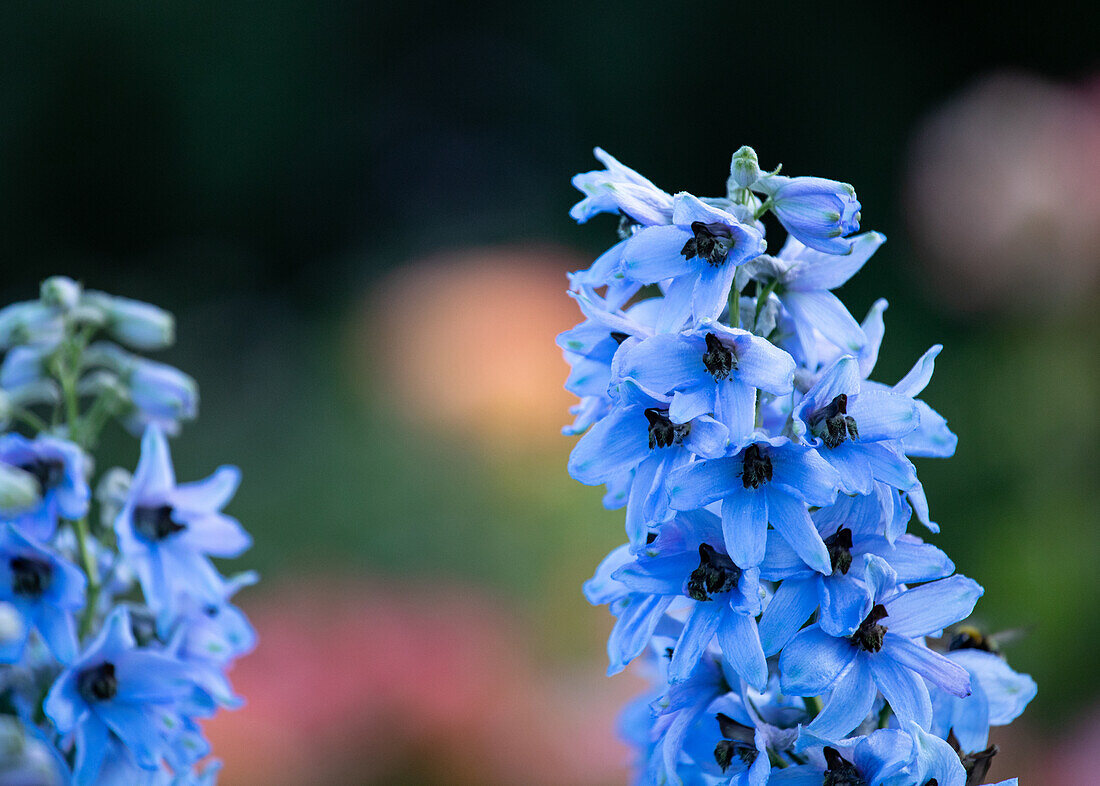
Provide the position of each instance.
(276, 174)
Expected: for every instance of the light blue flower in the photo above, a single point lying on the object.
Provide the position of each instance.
(886, 652)
(851, 527)
(857, 430)
(45, 589)
(116, 689)
(771, 481)
(712, 369)
(166, 531)
(699, 252)
(638, 434)
(60, 467)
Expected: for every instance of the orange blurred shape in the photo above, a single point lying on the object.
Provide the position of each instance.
(373, 683)
(465, 341)
(1003, 194)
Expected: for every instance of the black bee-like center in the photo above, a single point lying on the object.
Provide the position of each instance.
(711, 242)
(833, 424)
(144, 626)
(156, 523)
(98, 683)
(30, 577)
(619, 337)
(970, 639)
(840, 771)
(756, 468)
(663, 433)
(716, 574)
(718, 359)
(739, 741)
(48, 472)
(870, 634)
(839, 545)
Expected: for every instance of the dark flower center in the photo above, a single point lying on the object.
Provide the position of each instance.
(30, 577)
(619, 337)
(48, 472)
(712, 242)
(155, 523)
(832, 423)
(756, 468)
(976, 764)
(716, 573)
(740, 742)
(663, 432)
(98, 683)
(627, 226)
(718, 358)
(869, 635)
(839, 545)
(840, 771)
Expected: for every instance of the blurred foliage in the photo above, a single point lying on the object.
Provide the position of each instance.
(255, 166)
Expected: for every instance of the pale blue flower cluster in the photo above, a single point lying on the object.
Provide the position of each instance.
(794, 630)
(116, 629)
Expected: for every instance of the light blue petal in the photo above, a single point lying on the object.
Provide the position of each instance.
(745, 524)
(690, 404)
(903, 689)
(913, 560)
(708, 438)
(665, 363)
(812, 661)
(653, 254)
(842, 377)
(740, 643)
(213, 493)
(787, 611)
(874, 329)
(932, 438)
(845, 603)
(1008, 692)
(602, 588)
(619, 441)
(889, 466)
(825, 312)
(883, 415)
(938, 669)
(805, 474)
(849, 459)
(818, 270)
(850, 702)
(931, 607)
(935, 759)
(920, 375)
(764, 365)
(712, 290)
(703, 482)
(154, 476)
(638, 618)
(676, 305)
(735, 406)
(781, 561)
(791, 518)
(699, 631)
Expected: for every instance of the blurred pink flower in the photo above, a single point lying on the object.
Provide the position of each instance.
(377, 683)
(465, 341)
(1003, 193)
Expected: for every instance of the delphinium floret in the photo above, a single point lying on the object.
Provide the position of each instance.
(791, 625)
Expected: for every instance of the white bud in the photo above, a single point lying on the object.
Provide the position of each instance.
(744, 169)
(18, 490)
(60, 292)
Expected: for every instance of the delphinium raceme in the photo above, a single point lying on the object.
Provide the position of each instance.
(116, 630)
(794, 629)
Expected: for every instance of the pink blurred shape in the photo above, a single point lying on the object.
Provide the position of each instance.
(378, 683)
(1003, 194)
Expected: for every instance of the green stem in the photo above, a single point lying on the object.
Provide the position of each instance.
(813, 705)
(30, 419)
(91, 569)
